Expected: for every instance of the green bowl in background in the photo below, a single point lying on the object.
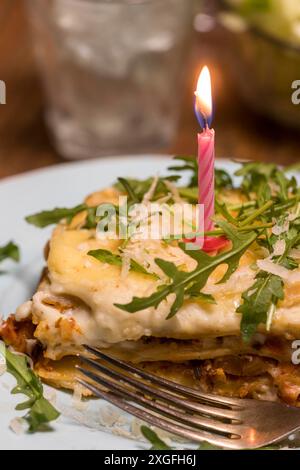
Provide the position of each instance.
(265, 68)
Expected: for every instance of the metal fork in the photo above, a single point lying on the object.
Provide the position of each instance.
(231, 423)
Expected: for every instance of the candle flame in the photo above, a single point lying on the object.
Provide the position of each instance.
(203, 105)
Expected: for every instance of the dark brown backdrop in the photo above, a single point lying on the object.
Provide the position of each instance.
(24, 143)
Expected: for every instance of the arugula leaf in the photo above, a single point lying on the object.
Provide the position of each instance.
(136, 189)
(222, 209)
(208, 298)
(91, 218)
(11, 251)
(190, 163)
(191, 283)
(257, 213)
(222, 179)
(289, 263)
(152, 437)
(257, 177)
(189, 193)
(41, 412)
(250, 169)
(258, 300)
(54, 216)
(106, 256)
(129, 189)
(283, 183)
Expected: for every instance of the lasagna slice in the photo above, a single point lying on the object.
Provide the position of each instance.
(80, 297)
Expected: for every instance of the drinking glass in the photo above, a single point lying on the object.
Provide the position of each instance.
(112, 71)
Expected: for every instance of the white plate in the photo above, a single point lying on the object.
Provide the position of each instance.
(65, 186)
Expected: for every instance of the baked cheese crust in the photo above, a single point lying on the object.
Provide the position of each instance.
(75, 305)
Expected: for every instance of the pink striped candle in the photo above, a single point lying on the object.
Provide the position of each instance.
(206, 161)
(206, 180)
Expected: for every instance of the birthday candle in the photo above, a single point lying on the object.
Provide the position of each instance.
(206, 182)
(206, 161)
(206, 148)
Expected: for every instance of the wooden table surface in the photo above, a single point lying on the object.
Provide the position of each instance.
(25, 143)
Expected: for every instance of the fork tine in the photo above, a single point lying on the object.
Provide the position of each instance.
(187, 391)
(165, 424)
(164, 395)
(171, 412)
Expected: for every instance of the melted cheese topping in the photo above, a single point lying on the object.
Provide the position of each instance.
(77, 306)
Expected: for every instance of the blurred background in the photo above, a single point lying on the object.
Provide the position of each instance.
(91, 78)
